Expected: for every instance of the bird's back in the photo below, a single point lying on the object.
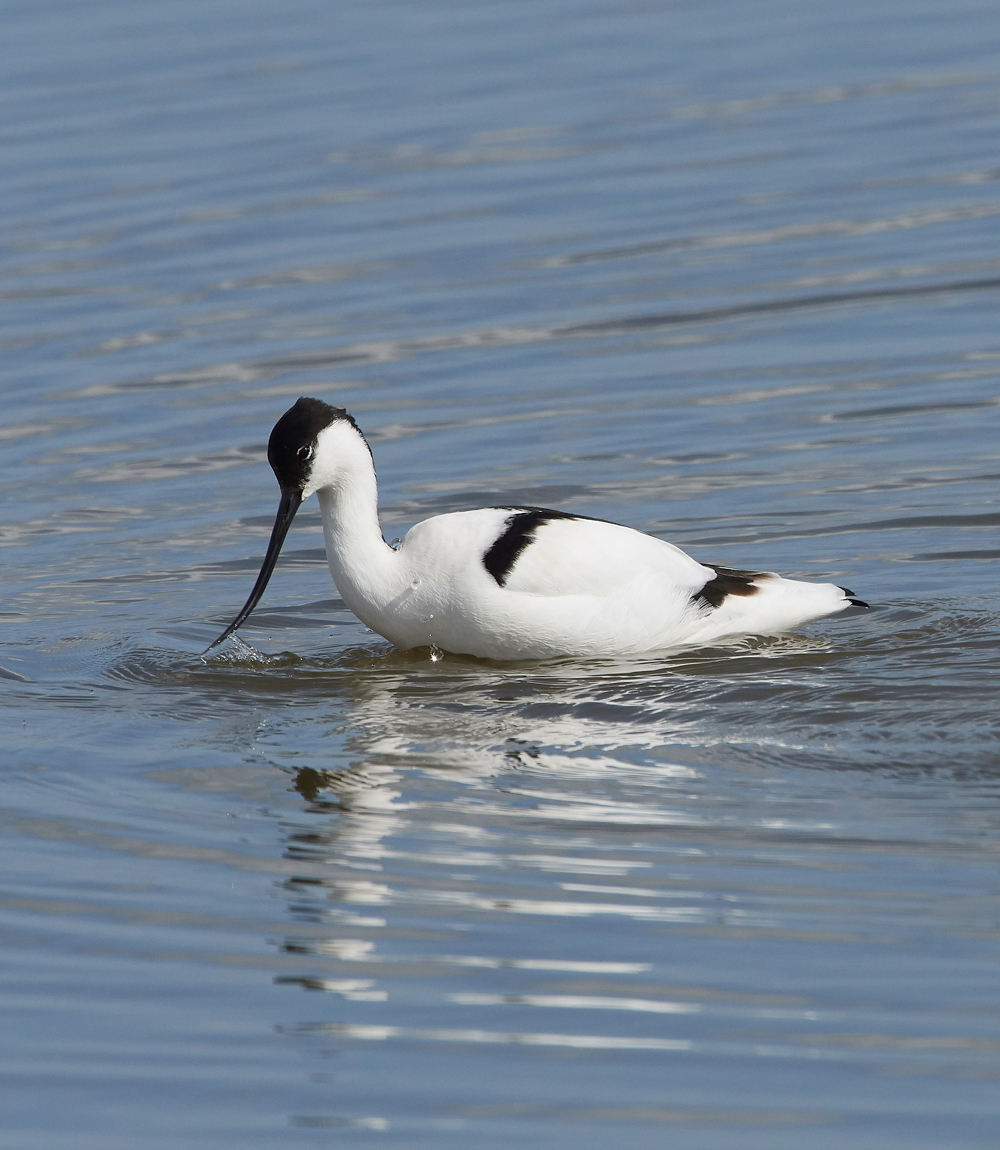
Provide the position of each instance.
(536, 551)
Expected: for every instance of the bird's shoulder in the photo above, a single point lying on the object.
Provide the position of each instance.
(456, 531)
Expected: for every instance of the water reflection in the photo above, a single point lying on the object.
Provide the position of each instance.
(453, 837)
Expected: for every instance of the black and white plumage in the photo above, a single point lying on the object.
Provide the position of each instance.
(512, 582)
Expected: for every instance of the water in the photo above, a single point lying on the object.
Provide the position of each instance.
(726, 273)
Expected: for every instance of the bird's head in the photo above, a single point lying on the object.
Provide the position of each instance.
(312, 446)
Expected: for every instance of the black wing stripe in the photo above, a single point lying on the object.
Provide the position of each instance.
(520, 530)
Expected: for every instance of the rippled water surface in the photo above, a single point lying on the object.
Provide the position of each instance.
(728, 273)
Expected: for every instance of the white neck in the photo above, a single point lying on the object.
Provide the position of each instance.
(364, 567)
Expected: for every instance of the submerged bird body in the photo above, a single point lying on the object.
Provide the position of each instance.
(512, 582)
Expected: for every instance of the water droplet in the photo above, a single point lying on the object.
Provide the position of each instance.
(396, 544)
(426, 618)
(415, 583)
(436, 654)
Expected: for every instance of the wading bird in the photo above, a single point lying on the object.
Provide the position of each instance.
(511, 582)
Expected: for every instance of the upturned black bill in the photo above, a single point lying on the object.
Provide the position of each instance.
(290, 500)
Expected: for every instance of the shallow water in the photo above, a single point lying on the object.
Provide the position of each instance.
(728, 274)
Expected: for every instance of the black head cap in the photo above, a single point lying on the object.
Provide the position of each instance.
(293, 439)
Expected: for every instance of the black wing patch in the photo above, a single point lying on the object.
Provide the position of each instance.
(519, 533)
(728, 581)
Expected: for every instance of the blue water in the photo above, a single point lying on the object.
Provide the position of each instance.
(727, 273)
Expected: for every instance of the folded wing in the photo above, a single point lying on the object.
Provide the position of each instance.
(570, 556)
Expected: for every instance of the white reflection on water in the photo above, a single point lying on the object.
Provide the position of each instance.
(369, 813)
(401, 728)
(351, 989)
(573, 1041)
(576, 1002)
(580, 809)
(562, 965)
(554, 907)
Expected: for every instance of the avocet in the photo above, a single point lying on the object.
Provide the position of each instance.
(512, 582)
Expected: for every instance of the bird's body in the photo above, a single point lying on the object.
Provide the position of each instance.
(513, 582)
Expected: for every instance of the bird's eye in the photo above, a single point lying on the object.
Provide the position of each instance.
(305, 452)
